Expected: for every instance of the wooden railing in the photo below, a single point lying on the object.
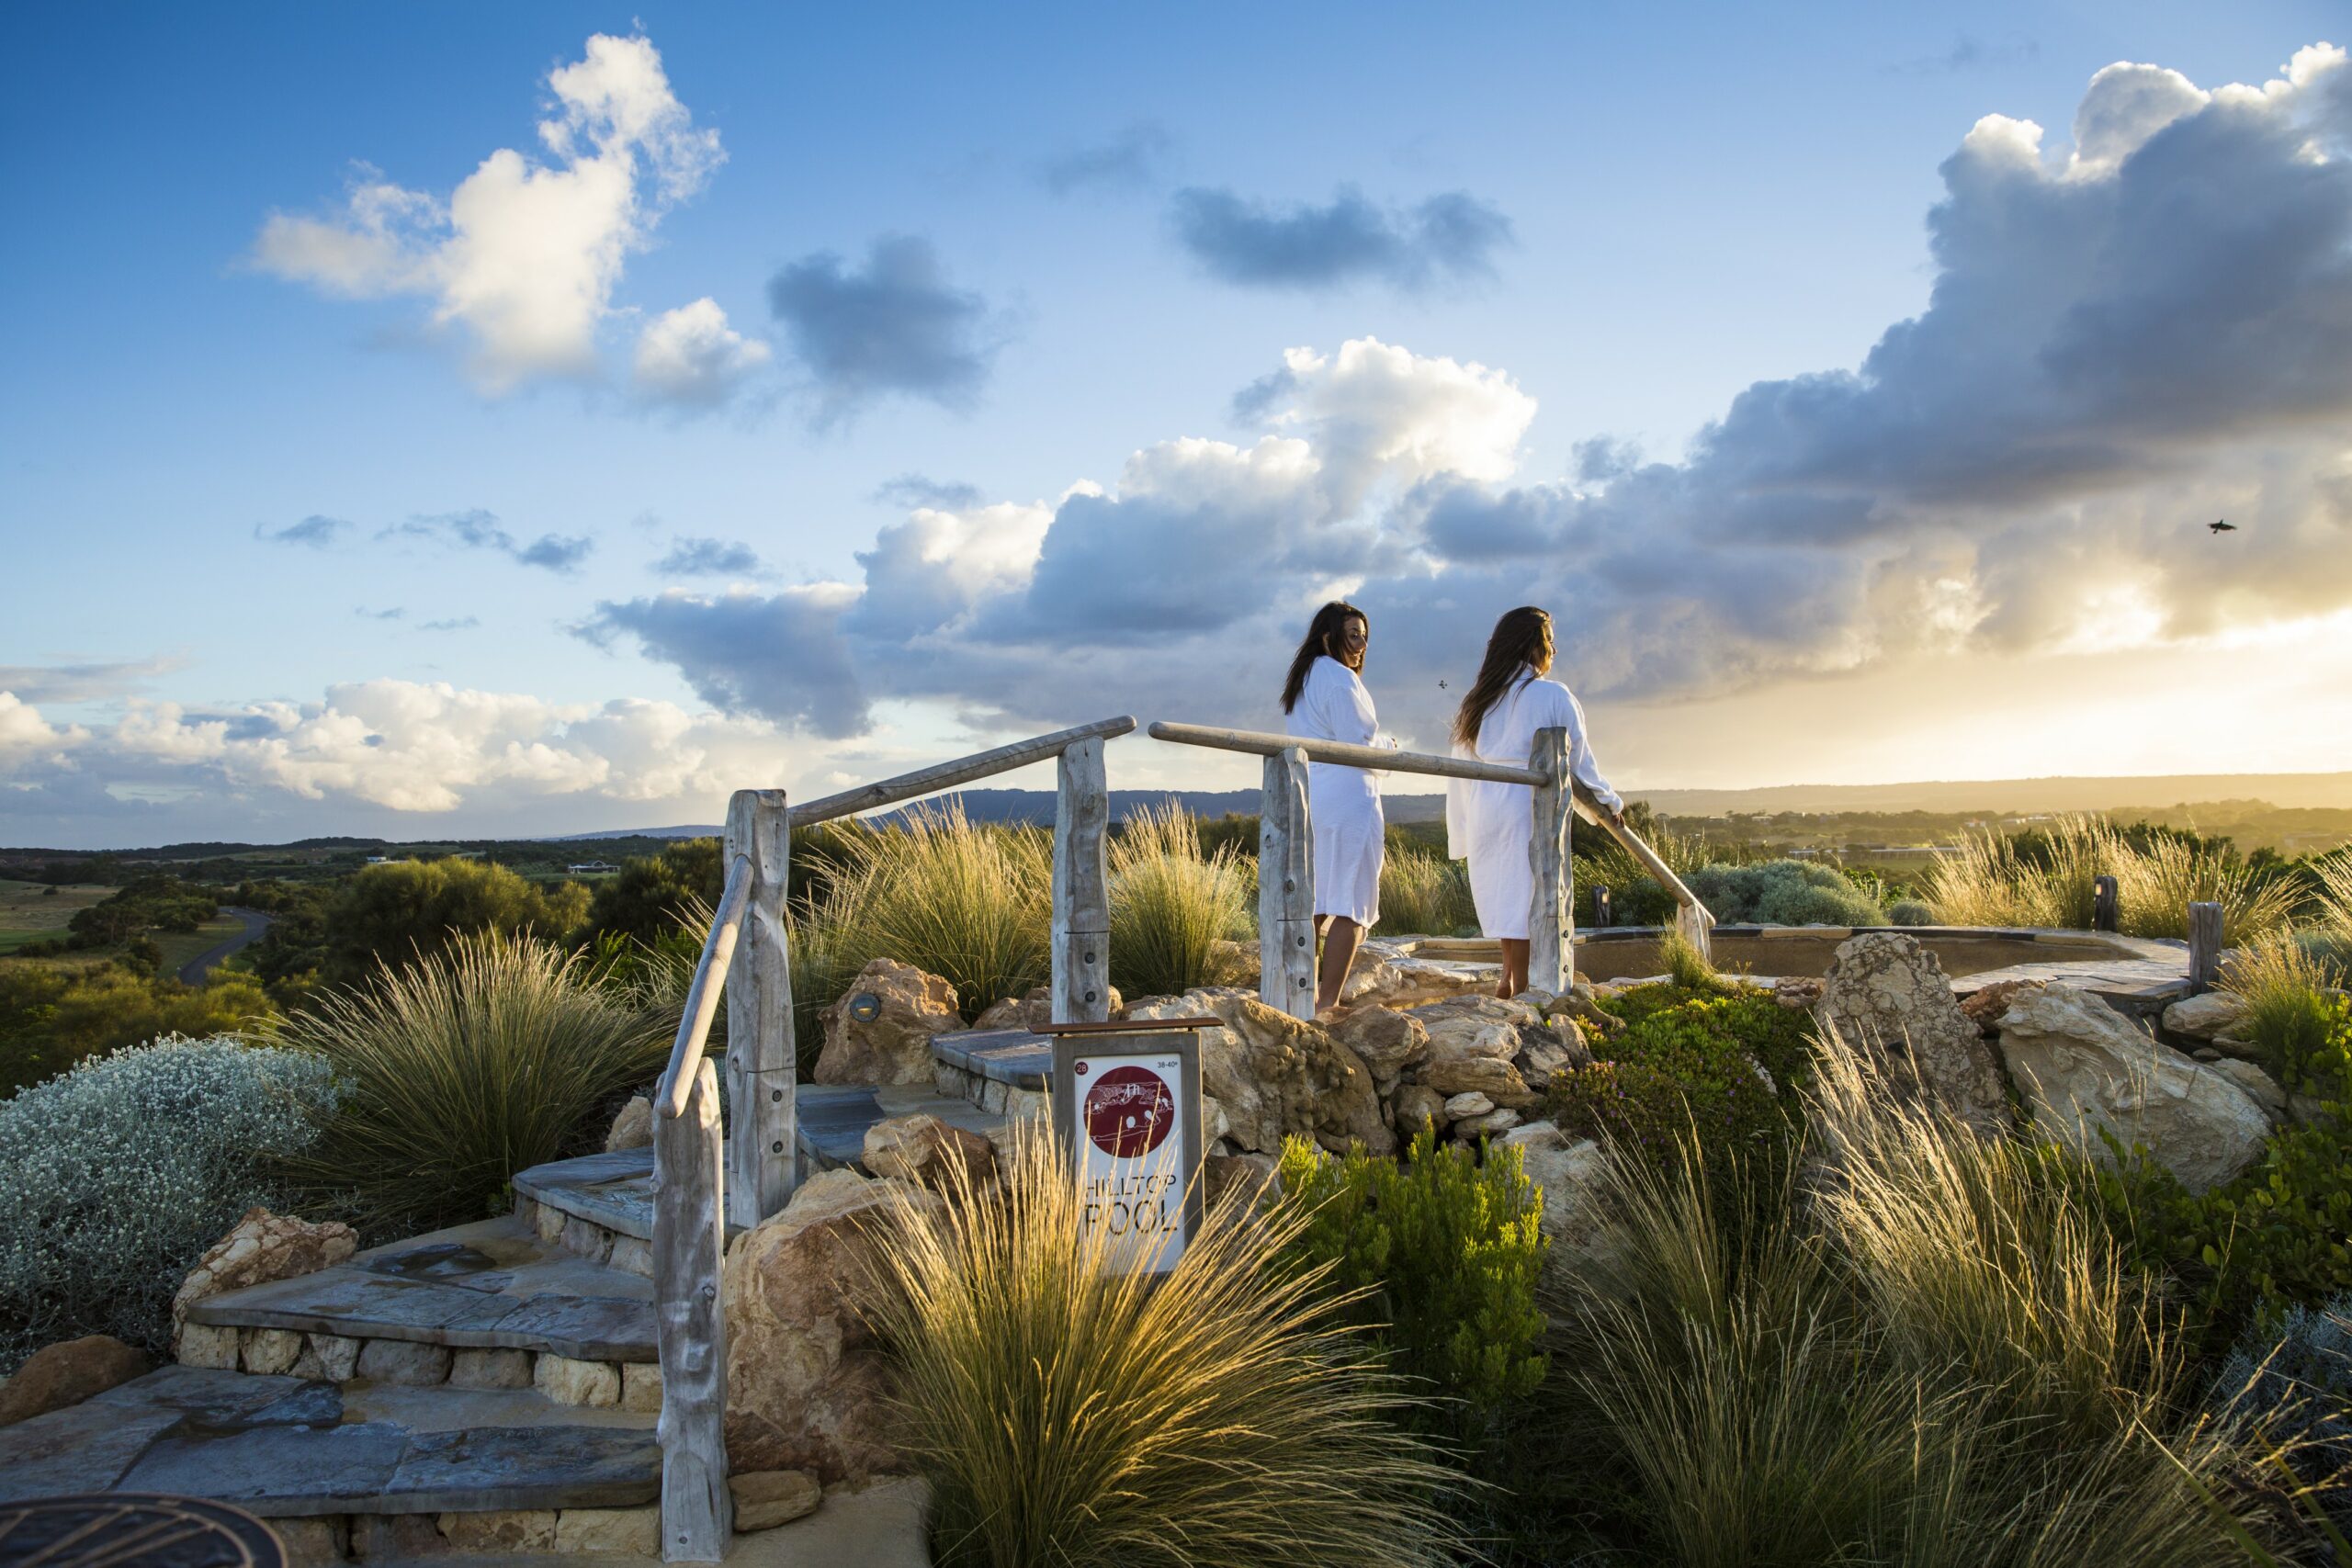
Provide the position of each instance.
(704, 1182)
(1285, 856)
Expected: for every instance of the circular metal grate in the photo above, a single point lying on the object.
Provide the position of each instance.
(132, 1530)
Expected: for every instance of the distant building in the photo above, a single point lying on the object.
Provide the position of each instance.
(590, 867)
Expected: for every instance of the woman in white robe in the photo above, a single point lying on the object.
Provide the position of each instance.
(1492, 825)
(1326, 700)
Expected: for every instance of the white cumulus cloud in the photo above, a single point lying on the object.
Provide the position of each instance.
(691, 357)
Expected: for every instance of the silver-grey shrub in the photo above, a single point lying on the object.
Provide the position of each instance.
(1784, 893)
(118, 1174)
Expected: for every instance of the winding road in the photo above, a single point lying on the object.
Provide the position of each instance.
(193, 972)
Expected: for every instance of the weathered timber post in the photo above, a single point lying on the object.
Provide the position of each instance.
(1081, 895)
(690, 1326)
(761, 1074)
(1551, 920)
(2104, 910)
(1286, 888)
(1600, 915)
(2204, 947)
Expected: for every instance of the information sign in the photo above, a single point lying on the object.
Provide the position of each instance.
(1127, 1102)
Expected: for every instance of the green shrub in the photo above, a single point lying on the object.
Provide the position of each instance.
(487, 1058)
(53, 1016)
(1423, 893)
(392, 913)
(1784, 893)
(1726, 1066)
(1066, 1414)
(120, 1172)
(1910, 912)
(2304, 1030)
(1171, 904)
(1446, 1252)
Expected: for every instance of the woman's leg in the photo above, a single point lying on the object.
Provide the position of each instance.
(1514, 978)
(1338, 952)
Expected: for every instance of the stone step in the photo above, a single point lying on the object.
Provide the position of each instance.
(607, 1199)
(495, 1285)
(288, 1447)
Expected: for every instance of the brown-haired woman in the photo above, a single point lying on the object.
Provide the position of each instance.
(1491, 825)
(1325, 699)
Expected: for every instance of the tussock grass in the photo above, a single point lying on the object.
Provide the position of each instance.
(1171, 903)
(1424, 894)
(1911, 1346)
(971, 903)
(1070, 1417)
(1990, 883)
(2291, 1010)
(458, 1070)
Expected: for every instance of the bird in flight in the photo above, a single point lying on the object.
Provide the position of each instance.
(2224, 526)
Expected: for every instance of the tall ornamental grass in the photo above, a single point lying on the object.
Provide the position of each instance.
(459, 1070)
(968, 902)
(1069, 1415)
(1171, 903)
(1990, 883)
(1424, 894)
(1910, 1348)
(2292, 1011)
(119, 1173)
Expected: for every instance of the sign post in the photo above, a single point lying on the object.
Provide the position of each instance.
(1127, 1103)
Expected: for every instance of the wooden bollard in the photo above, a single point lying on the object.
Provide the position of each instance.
(2204, 947)
(2103, 904)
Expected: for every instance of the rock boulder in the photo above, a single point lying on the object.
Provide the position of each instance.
(1888, 998)
(894, 1045)
(262, 1248)
(929, 1153)
(67, 1374)
(2081, 1066)
(1568, 1171)
(1270, 1074)
(2203, 1016)
(632, 1127)
(806, 1380)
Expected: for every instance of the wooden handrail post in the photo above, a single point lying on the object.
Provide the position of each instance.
(1081, 895)
(2204, 947)
(690, 1326)
(1552, 920)
(2103, 904)
(1286, 888)
(760, 1068)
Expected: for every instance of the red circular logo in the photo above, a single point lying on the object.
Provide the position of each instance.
(1129, 1112)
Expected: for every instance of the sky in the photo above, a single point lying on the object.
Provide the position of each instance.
(438, 421)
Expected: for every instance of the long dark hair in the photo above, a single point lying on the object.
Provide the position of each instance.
(1519, 637)
(1322, 637)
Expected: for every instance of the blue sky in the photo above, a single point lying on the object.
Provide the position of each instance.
(1586, 258)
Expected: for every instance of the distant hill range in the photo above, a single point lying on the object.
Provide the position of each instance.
(2007, 796)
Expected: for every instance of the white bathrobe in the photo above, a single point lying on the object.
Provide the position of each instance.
(1343, 802)
(1492, 825)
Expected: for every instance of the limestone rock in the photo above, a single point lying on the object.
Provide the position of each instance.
(1888, 998)
(67, 1374)
(1556, 1048)
(1797, 993)
(1501, 1118)
(570, 1381)
(929, 1153)
(894, 1046)
(1256, 1175)
(1469, 1102)
(2203, 1016)
(1987, 1003)
(1416, 1104)
(2259, 1085)
(490, 1368)
(641, 1386)
(201, 1345)
(1385, 973)
(1270, 1074)
(1005, 1012)
(1568, 1171)
(270, 1352)
(500, 1530)
(409, 1363)
(320, 1542)
(1498, 1080)
(766, 1498)
(632, 1128)
(806, 1380)
(2240, 1050)
(620, 1532)
(262, 1248)
(2081, 1065)
(1383, 1039)
(1474, 1026)
(333, 1356)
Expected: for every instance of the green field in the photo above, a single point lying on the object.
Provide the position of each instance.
(28, 913)
(178, 947)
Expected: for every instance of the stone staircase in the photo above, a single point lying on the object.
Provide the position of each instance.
(492, 1388)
